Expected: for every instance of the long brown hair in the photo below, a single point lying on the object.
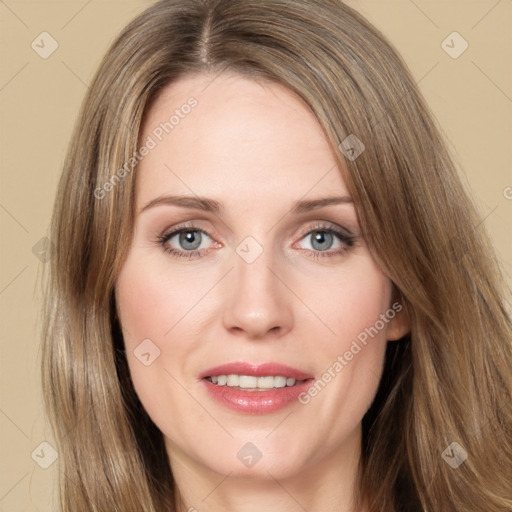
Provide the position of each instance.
(447, 382)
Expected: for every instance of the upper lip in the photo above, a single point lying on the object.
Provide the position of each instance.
(256, 370)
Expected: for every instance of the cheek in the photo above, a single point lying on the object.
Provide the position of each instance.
(356, 309)
(349, 303)
(149, 306)
(151, 301)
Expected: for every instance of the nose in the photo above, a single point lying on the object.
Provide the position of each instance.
(258, 303)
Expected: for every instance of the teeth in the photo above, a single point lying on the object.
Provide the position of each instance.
(245, 381)
(232, 380)
(251, 382)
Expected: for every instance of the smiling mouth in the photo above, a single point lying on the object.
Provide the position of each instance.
(253, 383)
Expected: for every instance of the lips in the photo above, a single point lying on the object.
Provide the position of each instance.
(256, 370)
(261, 401)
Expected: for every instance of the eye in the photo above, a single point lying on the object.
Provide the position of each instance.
(326, 241)
(187, 241)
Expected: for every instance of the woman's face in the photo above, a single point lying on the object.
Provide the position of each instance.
(262, 273)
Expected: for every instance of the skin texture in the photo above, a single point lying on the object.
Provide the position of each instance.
(257, 148)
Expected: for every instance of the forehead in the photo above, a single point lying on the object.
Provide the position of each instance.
(244, 139)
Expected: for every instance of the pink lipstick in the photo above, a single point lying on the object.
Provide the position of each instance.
(255, 388)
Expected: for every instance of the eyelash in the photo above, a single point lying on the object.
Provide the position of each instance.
(346, 239)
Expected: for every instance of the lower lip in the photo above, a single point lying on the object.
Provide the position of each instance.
(256, 402)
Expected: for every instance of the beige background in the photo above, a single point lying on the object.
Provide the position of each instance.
(39, 99)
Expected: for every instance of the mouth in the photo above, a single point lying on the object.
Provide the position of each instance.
(255, 389)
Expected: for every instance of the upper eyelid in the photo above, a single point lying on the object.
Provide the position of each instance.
(327, 225)
(179, 228)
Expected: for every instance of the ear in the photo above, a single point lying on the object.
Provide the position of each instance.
(399, 325)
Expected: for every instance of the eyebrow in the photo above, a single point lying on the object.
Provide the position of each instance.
(211, 205)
